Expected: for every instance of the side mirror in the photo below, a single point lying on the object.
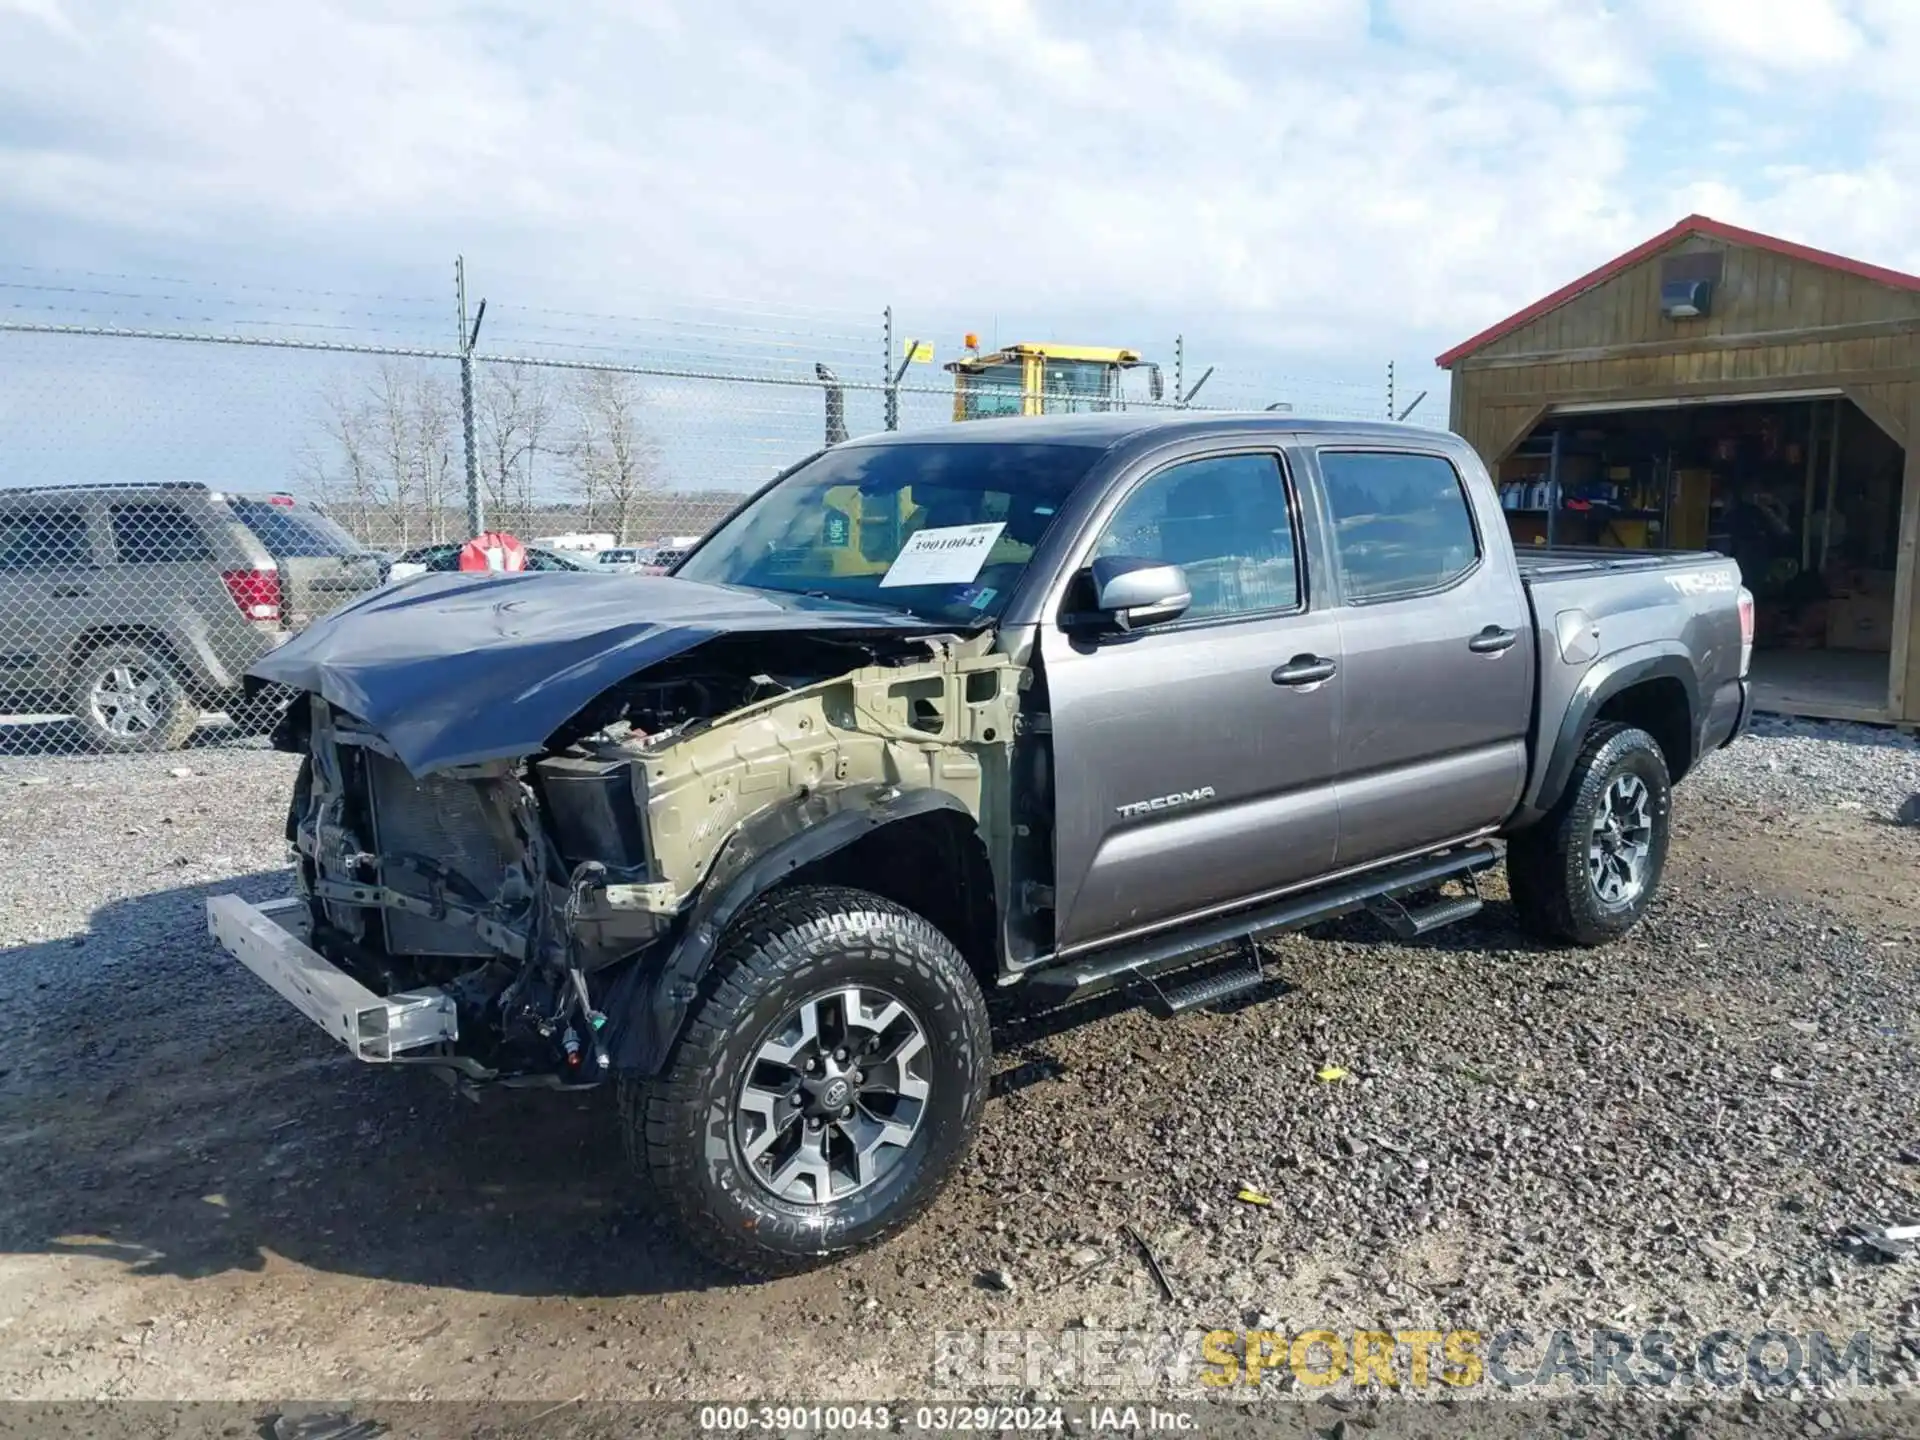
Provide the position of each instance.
(1132, 592)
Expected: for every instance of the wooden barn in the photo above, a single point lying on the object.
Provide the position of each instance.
(1721, 389)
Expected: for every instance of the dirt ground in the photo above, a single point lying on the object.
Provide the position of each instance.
(201, 1197)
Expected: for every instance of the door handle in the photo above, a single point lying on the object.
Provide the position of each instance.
(68, 592)
(1305, 670)
(1492, 640)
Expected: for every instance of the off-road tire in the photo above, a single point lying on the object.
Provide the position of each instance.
(1547, 864)
(173, 710)
(680, 1127)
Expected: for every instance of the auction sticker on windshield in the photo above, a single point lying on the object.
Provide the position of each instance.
(943, 555)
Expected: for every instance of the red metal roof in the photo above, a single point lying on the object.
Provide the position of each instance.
(1692, 225)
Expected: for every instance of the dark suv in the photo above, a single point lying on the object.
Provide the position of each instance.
(136, 607)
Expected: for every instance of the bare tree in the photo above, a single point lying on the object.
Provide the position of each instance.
(614, 461)
(436, 421)
(389, 416)
(383, 454)
(334, 464)
(513, 419)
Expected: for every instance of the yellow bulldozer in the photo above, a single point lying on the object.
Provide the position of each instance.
(1044, 379)
(1030, 378)
(861, 533)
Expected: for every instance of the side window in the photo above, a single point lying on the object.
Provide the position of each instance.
(1225, 523)
(156, 535)
(1401, 523)
(44, 540)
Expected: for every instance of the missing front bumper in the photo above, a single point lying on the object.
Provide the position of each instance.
(271, 941)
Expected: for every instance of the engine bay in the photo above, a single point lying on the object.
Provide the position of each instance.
(531, 889)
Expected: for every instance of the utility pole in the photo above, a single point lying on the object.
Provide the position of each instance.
(1390, 404)
(476, 510)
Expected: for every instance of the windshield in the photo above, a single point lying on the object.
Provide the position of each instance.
(994, 390)
(294, 532)
(943, 530)
(1075, 385)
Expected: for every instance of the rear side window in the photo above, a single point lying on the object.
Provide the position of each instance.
(1400, 522)
(44, 540)
(156, 535)
(291, 532)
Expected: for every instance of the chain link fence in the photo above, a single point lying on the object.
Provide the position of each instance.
(185, 480)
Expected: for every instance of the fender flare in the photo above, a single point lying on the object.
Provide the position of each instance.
(1662, 660)
(648, 1005)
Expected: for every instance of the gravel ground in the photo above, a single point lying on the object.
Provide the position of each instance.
(1793, 766)
(203, 1199)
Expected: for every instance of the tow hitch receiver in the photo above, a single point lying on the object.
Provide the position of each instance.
(270, 940)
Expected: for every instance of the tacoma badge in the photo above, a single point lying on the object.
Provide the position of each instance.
(1165, 802)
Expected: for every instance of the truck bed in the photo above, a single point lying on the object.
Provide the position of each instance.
(1554, 562)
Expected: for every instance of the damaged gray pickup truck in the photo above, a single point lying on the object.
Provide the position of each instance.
(1054, 705)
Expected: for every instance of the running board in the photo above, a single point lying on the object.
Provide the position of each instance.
(1154, 955)
(1240, 975)
(1412, 924)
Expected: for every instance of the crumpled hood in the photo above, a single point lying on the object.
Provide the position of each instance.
(456, 669)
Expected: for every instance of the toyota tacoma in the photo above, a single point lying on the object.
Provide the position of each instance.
(1050, 705)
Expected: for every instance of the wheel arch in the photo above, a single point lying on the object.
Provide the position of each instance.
(97, 637)
(1653, 688)
(897, 844)
(1555, 868)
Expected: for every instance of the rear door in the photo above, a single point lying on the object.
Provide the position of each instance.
(1437, 654)
(49, 593)
(1193, 768)
(166, 577)
(321, 565)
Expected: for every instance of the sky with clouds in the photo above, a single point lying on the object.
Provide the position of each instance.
(1310, 186)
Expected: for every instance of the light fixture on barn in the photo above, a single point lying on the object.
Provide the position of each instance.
(1686, 299)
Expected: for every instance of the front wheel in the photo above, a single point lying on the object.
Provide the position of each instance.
(1586, 873)
(829, 1082)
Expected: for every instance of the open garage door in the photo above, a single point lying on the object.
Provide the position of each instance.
(1805, 492)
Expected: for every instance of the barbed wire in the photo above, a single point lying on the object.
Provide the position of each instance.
(729, 327)
(267, 287)
(197, 337)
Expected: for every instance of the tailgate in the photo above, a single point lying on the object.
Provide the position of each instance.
(311, 585)
(321, 565)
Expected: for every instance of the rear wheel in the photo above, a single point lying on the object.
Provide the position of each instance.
(829, 1082)
(1587, 872)
(128, 699)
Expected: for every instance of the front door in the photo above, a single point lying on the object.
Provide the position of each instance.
(1194, 760)
(1437, 659)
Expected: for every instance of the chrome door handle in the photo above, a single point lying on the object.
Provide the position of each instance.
(1305, 670)
(1492, 640)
